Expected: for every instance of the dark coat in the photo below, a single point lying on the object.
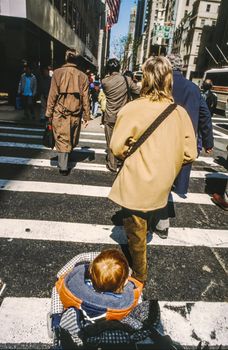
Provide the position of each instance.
(188, 95)
(211, 100)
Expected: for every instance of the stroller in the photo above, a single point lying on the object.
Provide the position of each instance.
(73, 329)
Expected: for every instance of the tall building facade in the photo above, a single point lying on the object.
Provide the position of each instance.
(154, 32)
(40, 31)
(213, 50)
(141, 29)
(176, 12)
(203, 20)
(140, 20)
(155, 40)
(128, 54)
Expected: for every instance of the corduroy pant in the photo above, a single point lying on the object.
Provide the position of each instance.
(136, 225)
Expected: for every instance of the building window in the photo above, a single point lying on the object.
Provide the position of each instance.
(195, 60)
(208, 8)
(199, 36)
(202, 22)
(213, 23)
(187, 2)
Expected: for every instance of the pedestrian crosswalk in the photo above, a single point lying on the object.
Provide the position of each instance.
(108, 234)
(46, 219)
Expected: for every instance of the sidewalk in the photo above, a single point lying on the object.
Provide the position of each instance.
(8, 114)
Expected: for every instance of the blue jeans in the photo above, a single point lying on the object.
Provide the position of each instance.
(95, 108)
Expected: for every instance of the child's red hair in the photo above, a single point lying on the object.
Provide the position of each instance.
(109, 271)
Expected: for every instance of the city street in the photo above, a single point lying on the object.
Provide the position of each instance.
(46, 219)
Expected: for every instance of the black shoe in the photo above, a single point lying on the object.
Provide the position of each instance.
(163, 234)
(64, 172)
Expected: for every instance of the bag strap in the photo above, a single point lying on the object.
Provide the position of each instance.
(128, 89)
(151, 129)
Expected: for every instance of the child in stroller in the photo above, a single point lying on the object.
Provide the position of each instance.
(95, 305)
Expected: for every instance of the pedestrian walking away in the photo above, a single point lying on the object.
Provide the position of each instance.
(68, 104)
(117, 90)
(27, 89)
(145, 180)
(187, 95)
(209, 96)
(94, 92)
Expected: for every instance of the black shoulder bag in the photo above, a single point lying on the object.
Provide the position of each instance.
(150, 130)
(48, 136)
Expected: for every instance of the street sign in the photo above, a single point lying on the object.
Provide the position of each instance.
(162, 31)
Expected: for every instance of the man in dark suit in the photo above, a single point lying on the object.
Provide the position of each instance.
(187, 95)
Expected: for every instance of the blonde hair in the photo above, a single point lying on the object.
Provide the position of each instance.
(109, 271)
(157, 79)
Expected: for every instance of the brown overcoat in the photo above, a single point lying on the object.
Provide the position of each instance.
(145, 181)
(68, 102)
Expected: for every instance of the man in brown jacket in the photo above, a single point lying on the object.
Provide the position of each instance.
(117, 89)
(68, 103)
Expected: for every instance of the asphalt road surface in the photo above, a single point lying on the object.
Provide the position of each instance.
(46, 219)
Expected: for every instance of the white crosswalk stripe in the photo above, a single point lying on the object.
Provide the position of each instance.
(28, 317)
(94, 166)
(40, 137)
(77, 232)
(41, 147)
(84, 190)
(23, 319)
(42, 130)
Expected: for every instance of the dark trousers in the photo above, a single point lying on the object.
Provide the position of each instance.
(110, 159)
(28, 105)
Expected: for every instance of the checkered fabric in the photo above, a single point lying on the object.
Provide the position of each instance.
(56, 304)
(71, 322)
(75, 260)
(110, 337)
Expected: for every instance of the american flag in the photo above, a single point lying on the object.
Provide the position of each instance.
(114, 8)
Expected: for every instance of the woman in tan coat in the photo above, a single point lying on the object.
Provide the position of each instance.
(144, 183)
(68, 103)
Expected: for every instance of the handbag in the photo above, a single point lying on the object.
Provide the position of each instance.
(48, 137)
(149, 131)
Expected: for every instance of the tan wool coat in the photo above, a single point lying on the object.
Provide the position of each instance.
(68, 102)
(145, 181)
